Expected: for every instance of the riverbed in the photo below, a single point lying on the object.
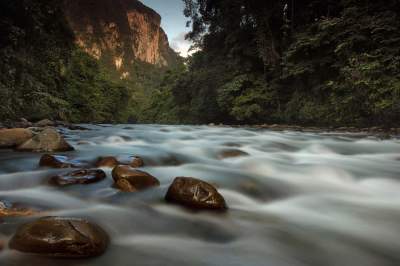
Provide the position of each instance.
(295, 199)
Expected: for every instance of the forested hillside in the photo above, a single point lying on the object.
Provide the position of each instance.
(45, 74)
(301, 62)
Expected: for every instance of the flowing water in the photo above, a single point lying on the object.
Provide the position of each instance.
(296, 199)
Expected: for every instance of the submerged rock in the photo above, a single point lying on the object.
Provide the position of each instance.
(129, 179)
(110, 162)
(58, 161)
(9, 210)
(49, 140)
(194, 193)
(81, 177)
(10, 138)
(232, 153)
(136, 162)
(61, 237)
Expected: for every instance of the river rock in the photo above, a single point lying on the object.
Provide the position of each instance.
(232, 153)
(196, 194)
(136, 162)
(13, 137)
(110, 162)
(129, 179)
(49, 140)
(45, 123)
(58, 161)
(9, 210)
(61, 237)
(79, 177)
(22, 123)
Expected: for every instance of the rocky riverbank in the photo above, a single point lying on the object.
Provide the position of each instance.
(380, 131)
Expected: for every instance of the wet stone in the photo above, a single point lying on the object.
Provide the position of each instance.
(79, 177)
(61, 237)
(110, 162)
(13, 137)
(49, 140)
(129, 179)
(58, 161)
(231, 153)
(196, 194)
(45, 123)
(136, 162)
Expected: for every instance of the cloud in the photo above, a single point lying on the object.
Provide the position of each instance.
(180, 45)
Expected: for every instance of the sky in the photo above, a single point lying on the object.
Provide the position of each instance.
(173, 22)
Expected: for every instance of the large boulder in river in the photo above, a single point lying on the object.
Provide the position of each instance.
(49, 140)
(129, 179)
(13, 137)
(58, 161)
(196, 194)
(61, 237)
(79, 177)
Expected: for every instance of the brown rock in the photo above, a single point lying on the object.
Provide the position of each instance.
(232, 153)
(13, 137)
(22, 123)
(137, 162)
(82, 177)
(57, 161)
(129, 179)
(110, 162)
(45, 123)
(61, 237)
(9, 210)
(49, 140)
(196, 194)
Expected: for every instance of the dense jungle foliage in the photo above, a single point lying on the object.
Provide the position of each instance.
(308, 62)
(44, 75)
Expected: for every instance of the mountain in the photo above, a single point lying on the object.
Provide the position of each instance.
(80, 60)
(119, 33)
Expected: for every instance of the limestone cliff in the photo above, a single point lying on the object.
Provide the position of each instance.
(119, 32)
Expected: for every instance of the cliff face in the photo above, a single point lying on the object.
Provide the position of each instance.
(119, 32)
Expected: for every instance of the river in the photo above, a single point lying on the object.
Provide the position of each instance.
(295, 199)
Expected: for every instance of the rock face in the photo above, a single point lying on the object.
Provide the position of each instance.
(129, 179)
(49, 140)
(57, 161)
(195, 194)
(61, 237)
(120, 32)
(13, 137)
(81, 177)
